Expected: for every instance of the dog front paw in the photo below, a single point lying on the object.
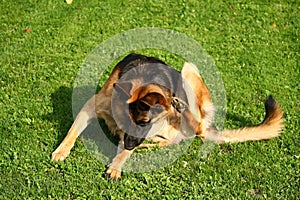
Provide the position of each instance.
(113, 173)
(60, 154)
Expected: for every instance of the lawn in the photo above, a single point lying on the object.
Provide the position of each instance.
(255, 46)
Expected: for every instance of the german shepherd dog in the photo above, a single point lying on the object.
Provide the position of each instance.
(144, 91)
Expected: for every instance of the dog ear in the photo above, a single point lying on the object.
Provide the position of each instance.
(130, 142)
(152, 93)
(124, 88)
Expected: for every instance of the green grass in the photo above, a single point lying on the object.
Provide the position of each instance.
(38, 69)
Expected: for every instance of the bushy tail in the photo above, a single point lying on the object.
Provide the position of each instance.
(269, 128)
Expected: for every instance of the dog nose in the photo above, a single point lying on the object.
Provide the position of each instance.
(143, 123)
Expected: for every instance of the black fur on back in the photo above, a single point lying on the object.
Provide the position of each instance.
(134, 60)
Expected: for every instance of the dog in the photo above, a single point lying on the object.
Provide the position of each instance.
(142, 92)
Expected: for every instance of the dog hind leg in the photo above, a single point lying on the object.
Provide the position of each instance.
(204, 106)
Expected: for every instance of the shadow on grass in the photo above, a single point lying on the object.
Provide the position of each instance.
(62, 111)
(96, 138)
(239, 121)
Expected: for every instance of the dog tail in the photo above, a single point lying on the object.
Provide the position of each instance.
(269, 128)
(81, 122)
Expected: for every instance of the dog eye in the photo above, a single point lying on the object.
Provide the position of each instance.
(143, 107)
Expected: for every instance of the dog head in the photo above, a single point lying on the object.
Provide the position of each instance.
(140, 107)
(147, 104)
